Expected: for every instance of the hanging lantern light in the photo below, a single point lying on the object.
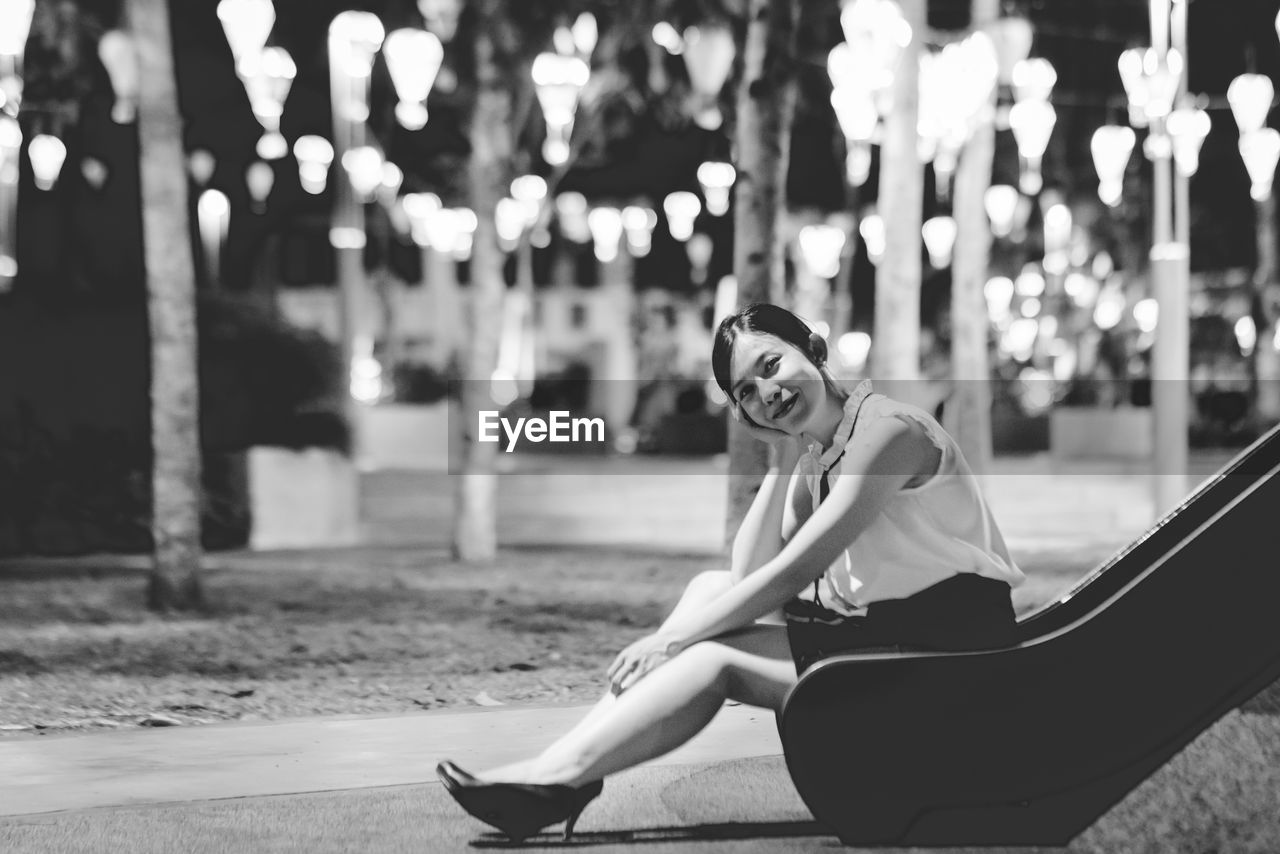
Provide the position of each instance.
(638, 223)
(1150, 84)
(605, 224)
(873, 236)
(585, 32)
(441, 17)
(820, 246)
(314, 155)
(247, 24)
(213, 214)
(571, 212)
(1111, 146)
(119, 57)
(1130, 65)
(440, 228)
(1033, 79)
(667, 37)
(354, 39)
(413, 60)
(1250, 97)
(857, 163)
(47, 154)
(466, 221)
(1001, 203)
(854, 347)
(939, 234)
(259, 178)
(530, 191)
(558, 81)
(1032, 123)
(878, 30)
(562, 41)
(419, 208)
(1188, 127)
(681, 208)
(363, 165)
(716, 179)
(508, 217)
(268, 76)
(1163, 79)
(1012, 39)
(857, 72)
(855, 111)
(15, 26)
(1260, 150)
(95, 172)
(998, 292)
(708, 58)
(200, 166)
(10, 154)
(699, 248)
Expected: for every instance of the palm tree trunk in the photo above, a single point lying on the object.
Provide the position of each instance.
(170, 271)
(968, 410)
(895, 355)
(475, 515)
(766, 102)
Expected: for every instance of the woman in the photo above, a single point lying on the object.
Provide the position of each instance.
(868, 532)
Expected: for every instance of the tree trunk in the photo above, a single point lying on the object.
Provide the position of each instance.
(896, 343)
(170, 271)
(766, 102)
(968, 410)
(1265, 364)
(475, 527)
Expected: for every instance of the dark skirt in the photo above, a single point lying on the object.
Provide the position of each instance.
(963, 612)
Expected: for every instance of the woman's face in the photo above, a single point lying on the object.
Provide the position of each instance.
(774, 383)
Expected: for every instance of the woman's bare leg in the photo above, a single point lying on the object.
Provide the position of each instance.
(669, 706)
(702, 589)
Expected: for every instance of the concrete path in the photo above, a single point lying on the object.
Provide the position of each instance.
(70, 772)
(366, 785)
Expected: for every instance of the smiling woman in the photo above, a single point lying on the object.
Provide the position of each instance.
(869, 531)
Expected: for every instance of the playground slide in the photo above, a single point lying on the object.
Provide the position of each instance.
(1029, 745)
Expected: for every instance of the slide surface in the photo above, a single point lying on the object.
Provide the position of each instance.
(1121, 672)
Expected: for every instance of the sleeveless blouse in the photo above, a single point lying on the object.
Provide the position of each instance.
(927, 533)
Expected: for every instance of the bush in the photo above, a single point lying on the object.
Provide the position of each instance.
(75, 446)
(265, 382)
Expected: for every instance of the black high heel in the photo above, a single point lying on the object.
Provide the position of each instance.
(518, 809)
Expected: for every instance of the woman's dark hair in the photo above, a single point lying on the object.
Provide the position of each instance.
(757, 317)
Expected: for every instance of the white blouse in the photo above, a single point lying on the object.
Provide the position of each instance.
(926, 534)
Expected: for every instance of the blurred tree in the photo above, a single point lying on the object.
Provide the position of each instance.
(496, 46)
(171, 282)
(762, 134)
(895, 352)
(968, 411)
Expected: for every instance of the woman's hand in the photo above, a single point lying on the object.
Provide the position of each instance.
(634, 662)
(786, 448)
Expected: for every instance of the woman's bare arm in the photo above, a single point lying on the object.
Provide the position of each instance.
(882, 460)
(759, 537)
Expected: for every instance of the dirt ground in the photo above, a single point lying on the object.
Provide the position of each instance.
(346, 632)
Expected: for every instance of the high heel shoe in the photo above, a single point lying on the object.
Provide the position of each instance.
(518, 809)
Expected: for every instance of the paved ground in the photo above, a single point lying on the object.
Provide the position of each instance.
(366, 784)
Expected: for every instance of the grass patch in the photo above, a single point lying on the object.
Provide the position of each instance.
(379, 630)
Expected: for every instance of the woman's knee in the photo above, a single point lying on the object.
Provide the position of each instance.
(706, 662)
